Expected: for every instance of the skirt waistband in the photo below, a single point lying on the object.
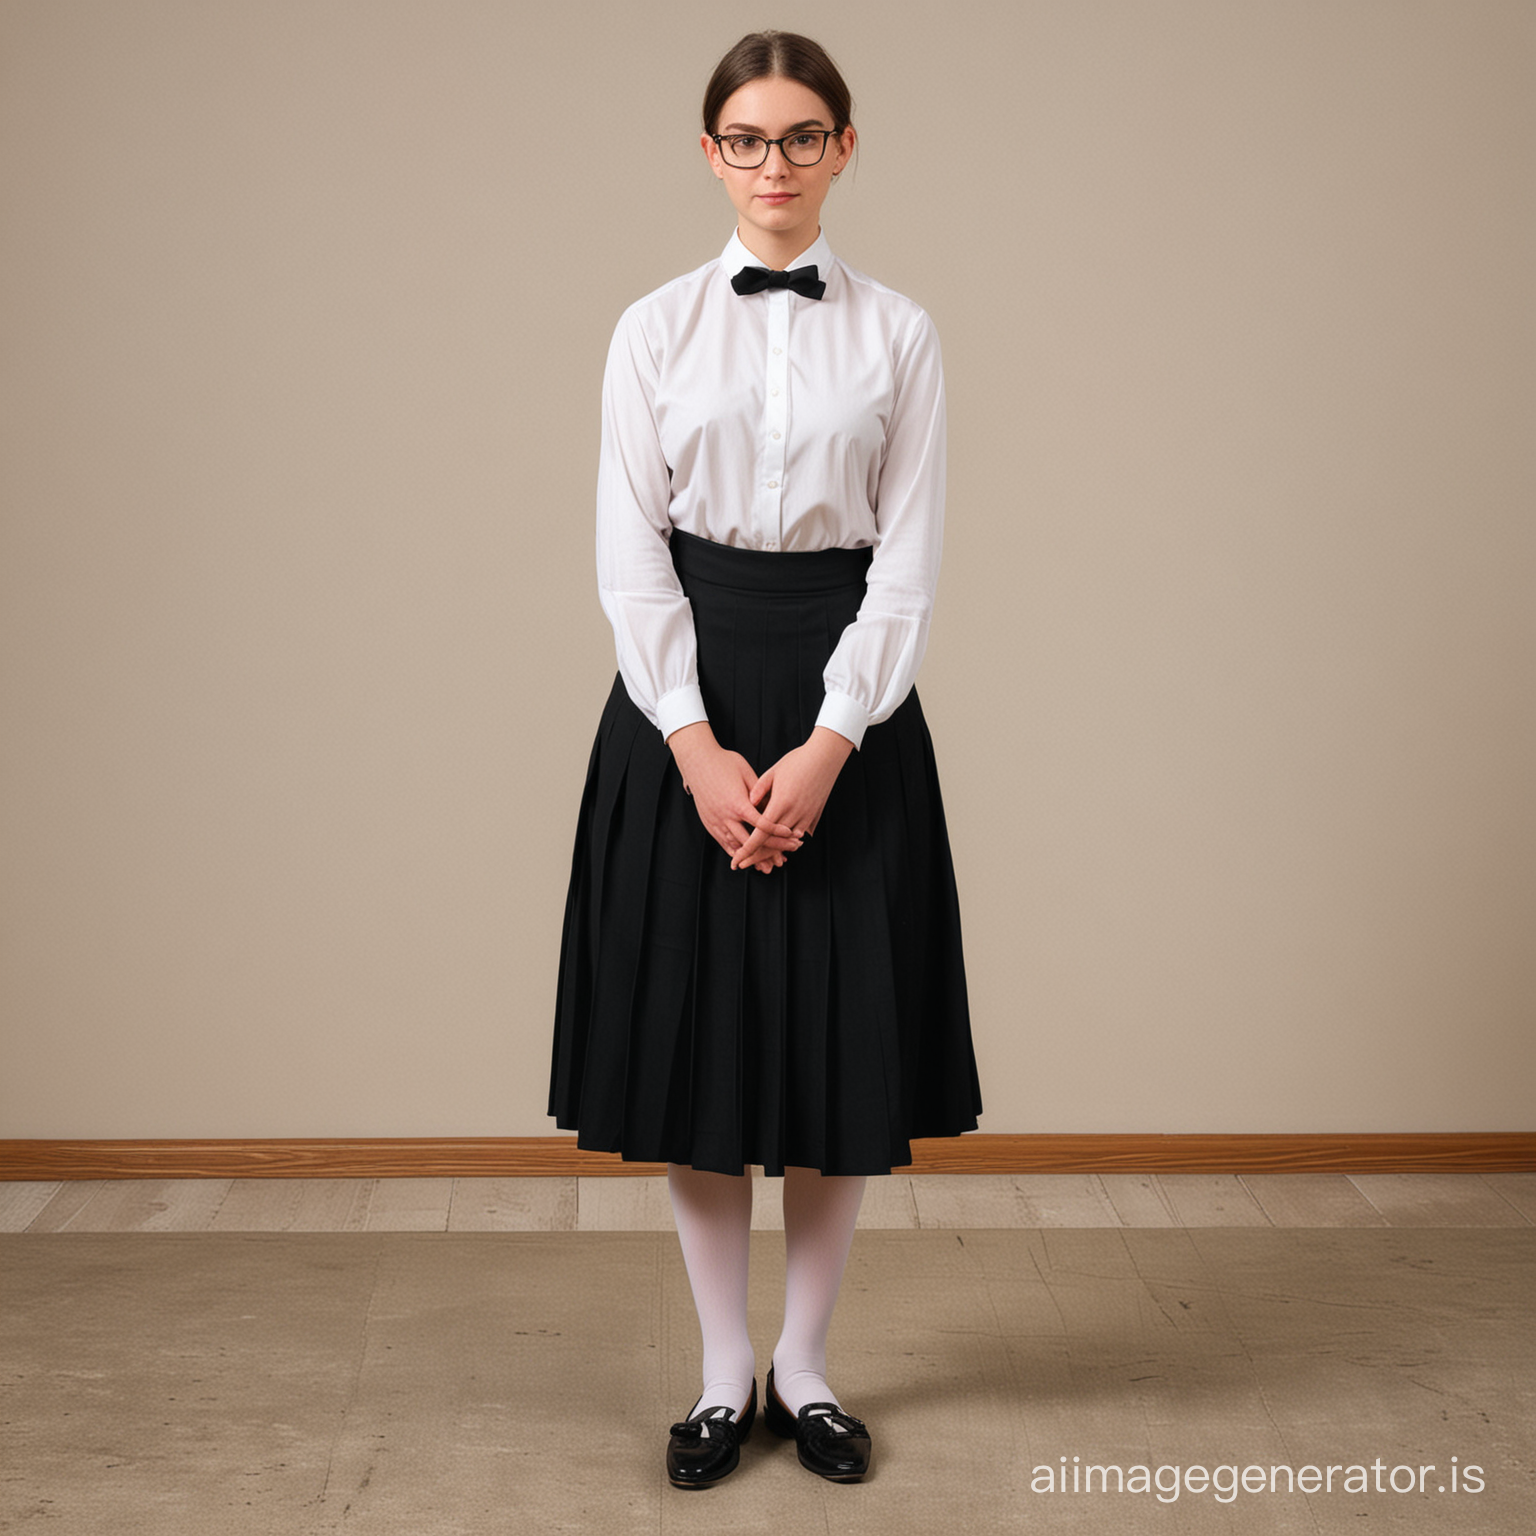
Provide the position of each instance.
(758, 570)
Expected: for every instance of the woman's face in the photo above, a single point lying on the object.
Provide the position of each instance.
(778, 205)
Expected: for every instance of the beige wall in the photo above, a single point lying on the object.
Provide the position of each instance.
(301, 330)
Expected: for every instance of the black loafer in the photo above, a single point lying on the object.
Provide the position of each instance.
(707, 1445)
(832, 1444)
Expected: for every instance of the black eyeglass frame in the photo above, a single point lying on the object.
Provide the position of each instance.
(826, 134)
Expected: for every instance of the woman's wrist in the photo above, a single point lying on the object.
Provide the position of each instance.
(689, 744)
(832, 745)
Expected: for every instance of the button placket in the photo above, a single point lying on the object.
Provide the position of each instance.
(775, 423)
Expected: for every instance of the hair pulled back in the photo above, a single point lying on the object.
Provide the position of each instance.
(778, 56)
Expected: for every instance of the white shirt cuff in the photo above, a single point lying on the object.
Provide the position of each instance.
(683, 706)
(844, 715)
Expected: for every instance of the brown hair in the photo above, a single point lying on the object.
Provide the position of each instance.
(780, 56)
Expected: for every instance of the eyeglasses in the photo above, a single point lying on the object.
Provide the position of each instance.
(747, 151)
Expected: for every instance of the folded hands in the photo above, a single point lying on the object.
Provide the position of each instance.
(758, 819)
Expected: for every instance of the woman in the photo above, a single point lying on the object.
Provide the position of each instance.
(770, 500)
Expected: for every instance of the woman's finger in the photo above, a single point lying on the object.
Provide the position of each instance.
(766, 823)
(752, 850)
(749, 852)
(771, 832)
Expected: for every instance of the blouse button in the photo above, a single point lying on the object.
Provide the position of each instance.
(773, 485)
(777, 436)
(770, 545)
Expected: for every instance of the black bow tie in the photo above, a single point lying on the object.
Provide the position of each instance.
(802, 280)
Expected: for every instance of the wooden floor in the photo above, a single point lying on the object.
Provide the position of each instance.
(927, 1201)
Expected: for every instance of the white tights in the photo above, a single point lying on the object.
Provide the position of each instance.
(713, 1212)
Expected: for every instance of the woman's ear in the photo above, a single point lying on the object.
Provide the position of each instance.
(845, 143)
(712, 154)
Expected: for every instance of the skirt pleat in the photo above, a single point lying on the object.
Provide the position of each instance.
(814, 1017)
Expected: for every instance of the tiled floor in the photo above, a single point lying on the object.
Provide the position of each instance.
(913, 1202)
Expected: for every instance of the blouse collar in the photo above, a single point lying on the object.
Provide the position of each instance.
(736, 256)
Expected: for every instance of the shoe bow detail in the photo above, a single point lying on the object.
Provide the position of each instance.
(706, 1446)
(703, 1425)
(836, 1421)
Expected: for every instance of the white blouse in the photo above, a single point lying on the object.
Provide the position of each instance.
(775, 422)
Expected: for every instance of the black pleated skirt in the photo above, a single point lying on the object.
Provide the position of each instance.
(815, 1016)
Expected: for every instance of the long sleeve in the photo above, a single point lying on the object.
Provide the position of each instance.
(652, 620)
(876, 660)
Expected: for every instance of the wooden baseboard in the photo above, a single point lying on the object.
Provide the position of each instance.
(515, 1156)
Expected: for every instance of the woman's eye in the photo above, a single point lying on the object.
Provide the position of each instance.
(804, 140)
(746, 144)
